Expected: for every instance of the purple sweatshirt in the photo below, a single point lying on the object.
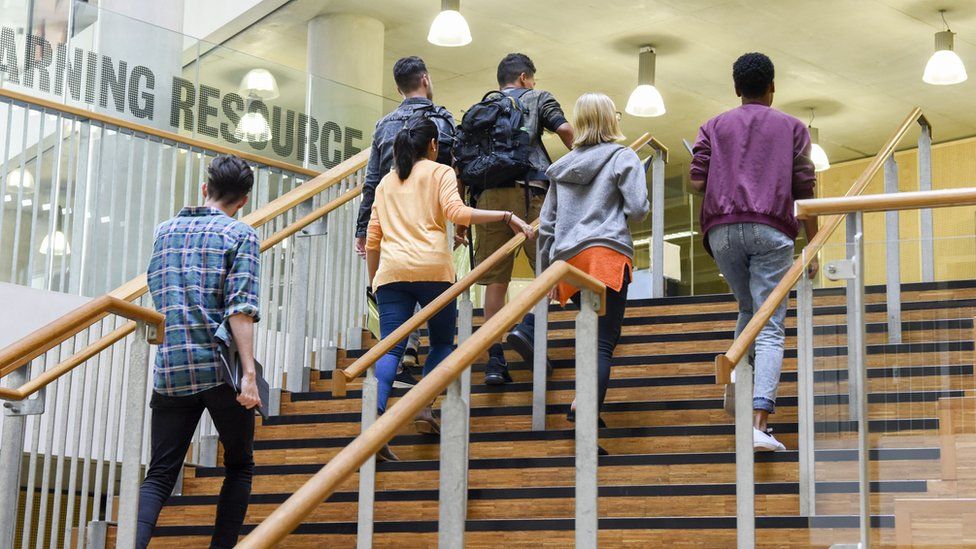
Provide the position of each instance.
(755, 162)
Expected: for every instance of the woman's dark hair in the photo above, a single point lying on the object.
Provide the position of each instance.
(411, 143)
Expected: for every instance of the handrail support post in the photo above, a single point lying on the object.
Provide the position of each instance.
(455, 425)
(587, 412)
(540, 350)
(657, 224)
(893, 255)
(367, 473)
(805, 396)
(925, 227)
(745, 489)
(135, 409)
(11, 459)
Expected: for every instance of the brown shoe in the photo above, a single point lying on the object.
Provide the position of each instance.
(386, 454)
(426, 423)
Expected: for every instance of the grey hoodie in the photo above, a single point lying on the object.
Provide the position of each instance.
(594, 191)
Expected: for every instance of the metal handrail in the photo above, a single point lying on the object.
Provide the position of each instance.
(725, 363)
(290, 514)
(340, 378)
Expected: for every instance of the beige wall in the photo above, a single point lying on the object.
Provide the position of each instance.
(953, 166)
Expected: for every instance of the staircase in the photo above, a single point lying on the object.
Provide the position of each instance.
(670, 477)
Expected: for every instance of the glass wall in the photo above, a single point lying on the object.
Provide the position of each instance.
(79, 193)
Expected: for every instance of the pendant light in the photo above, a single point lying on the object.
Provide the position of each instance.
(944, 67)
(817, 154)
(259, 83)
(645, 100)
(56, 246)
(449, 28)
(253, 126)
(17, 179)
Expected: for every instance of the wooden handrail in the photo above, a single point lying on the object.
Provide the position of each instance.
(46, 338)
(290, 514)
(946, 198)
(162, 134)
(312, 217)
(340, 378)
(725, 363)
(137, 286)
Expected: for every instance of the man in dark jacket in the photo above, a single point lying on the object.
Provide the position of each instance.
(414, 84)
(752, 163)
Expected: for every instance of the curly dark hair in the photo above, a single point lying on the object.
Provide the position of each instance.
(752, 74)
(229, 179)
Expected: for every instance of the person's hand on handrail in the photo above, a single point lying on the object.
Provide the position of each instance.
(813, 267)
(520, 226)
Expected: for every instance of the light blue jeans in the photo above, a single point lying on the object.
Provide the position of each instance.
(753, 258)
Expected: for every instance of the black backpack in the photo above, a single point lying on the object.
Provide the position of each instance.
(492, 145)
(445, 131)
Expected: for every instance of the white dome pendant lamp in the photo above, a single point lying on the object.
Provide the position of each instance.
(944, 67)
(817, 154)
(449, 28)
(645, 100)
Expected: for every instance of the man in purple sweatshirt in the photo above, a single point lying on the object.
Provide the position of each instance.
(752, 163)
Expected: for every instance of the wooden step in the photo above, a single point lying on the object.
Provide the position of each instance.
(705, 532)
(702, 500)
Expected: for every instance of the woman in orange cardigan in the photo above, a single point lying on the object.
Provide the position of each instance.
(407, 251)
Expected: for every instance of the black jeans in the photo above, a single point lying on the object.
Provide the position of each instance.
(608, 334)
(173, 421)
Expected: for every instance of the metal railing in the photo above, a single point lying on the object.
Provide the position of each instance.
(70, 451)
(291, 513)
(852, 271)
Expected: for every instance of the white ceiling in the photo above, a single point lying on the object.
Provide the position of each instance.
(858, 62)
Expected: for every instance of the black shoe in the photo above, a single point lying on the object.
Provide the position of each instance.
(496, 372)
(522, 340)
(386, 454)
(404, 380)
(571, 417)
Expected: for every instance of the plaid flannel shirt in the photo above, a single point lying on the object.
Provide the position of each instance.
(203, 269)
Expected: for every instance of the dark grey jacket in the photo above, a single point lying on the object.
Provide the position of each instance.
(381, 153)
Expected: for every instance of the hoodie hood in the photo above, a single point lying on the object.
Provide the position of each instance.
(582, 165)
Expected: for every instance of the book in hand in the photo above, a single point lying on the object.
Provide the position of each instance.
(231, 372)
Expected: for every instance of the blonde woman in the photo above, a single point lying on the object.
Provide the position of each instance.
(594, 191)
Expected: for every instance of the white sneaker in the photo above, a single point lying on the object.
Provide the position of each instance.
(728, 401)
(762, 442)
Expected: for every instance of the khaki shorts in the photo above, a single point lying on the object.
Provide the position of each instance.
(489, 237)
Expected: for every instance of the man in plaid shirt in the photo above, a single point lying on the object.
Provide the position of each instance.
(203, 276)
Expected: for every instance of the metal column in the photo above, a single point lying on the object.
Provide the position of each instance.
(893, 255)
(853, 382)
(135, 408)
(455, 424)
(805, 396)
(586, 422)
(856, 340)
(11, 458)
(657, 225)
(925, 228)
(297, 375)
(745, 489)
(540, 352)
(367, 473)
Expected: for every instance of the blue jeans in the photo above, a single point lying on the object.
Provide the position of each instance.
(753, 258)
(396, 302)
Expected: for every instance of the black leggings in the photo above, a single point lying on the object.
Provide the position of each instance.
(608, 334)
